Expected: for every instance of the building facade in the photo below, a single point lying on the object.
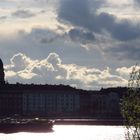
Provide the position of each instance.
(10, 102)
(50, 102)
(39, 100)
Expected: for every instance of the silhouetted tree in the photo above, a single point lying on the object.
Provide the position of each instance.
(130, 106)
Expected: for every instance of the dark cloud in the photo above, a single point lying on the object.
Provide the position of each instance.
(79, 35)
(80, 13)
(39, 42)
(76, 12)
(3, 17)
(125, 51)
(23, 14)
(125, 31)
(137, 1)
(44, 36)
(30, 44)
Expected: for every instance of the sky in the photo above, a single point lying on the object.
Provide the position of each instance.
(88, 44)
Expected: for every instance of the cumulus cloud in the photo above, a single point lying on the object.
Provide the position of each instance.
(54, 59)
(19, 62)
(26, 69)
(23, 14)
(51, 70)
(126, 71)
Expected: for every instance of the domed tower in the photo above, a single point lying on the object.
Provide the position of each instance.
(2, 81)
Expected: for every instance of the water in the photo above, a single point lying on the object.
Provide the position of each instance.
(72, 132)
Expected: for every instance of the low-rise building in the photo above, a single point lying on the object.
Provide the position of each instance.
(57, 101)
(50, 102)
(10, 102)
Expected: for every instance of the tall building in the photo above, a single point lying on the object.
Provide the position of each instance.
(2, 81)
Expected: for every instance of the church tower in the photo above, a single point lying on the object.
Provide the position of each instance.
(2, 81)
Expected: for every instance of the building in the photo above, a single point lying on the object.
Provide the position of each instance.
(2, 81)
(50, 102)
(10, 100)
(39, 100)
(101, 104)
(57, 100)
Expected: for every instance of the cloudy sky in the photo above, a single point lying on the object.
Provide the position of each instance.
(87, 44)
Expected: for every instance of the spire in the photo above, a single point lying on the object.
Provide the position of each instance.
(2, 81)
(1, 63)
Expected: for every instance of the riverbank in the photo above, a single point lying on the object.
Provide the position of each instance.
(14, 126)
(112, 122)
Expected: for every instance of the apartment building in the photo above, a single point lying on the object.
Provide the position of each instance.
(50, 102)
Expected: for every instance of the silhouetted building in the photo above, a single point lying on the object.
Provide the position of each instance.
(50, 102)
(57, 100)
(2, 81)
(10, 101)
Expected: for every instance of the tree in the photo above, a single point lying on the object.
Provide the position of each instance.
(130, 106)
